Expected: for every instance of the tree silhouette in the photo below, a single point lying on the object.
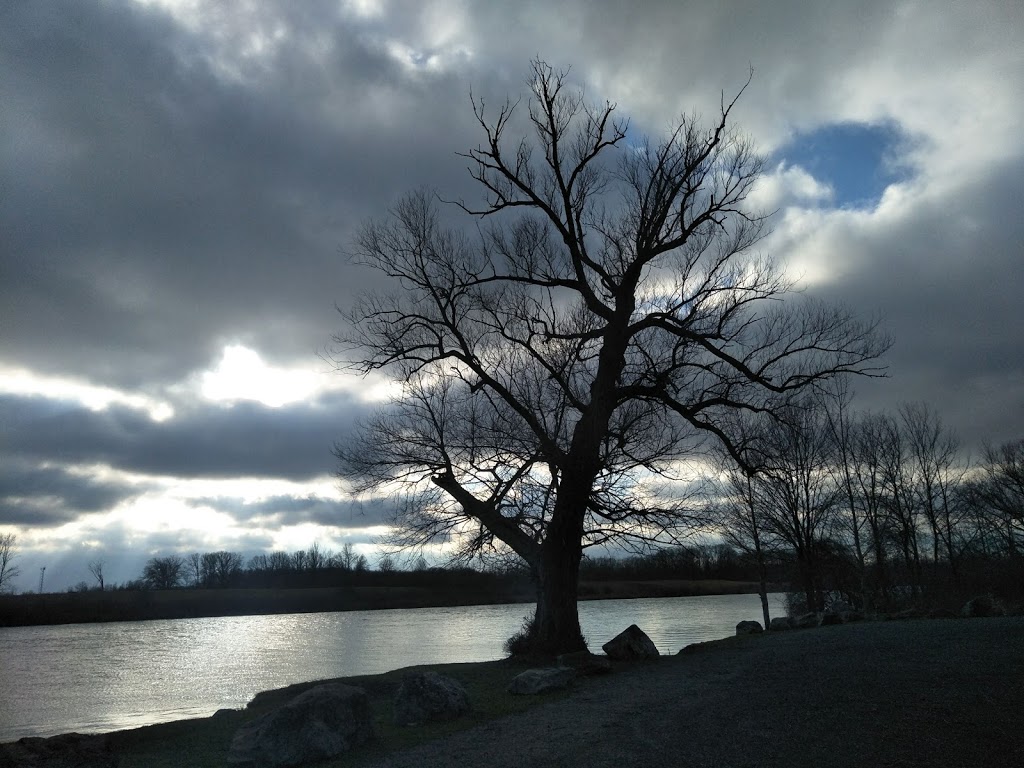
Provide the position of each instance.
(8, 551)
(560, 358)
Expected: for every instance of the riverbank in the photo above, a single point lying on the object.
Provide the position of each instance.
(942, 693)
(142, 605)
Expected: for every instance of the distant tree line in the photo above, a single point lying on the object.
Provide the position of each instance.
(877, 509)
(222, 569)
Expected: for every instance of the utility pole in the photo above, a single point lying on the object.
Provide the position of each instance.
(42, 573)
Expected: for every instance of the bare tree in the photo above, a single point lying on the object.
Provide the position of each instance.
(935, 470)
(559, 362)
(163, 572)
(793, 489)
(869, 439)
(316, 558)
(346, 558)
(96, 569)
(280, 561)
(8, 552)
(194, 569)
(999, 494)
(220, 568)
(738, 515)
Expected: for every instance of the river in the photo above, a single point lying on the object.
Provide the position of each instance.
(103, 677)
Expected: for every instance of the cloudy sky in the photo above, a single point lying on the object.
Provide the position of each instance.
(180, 181)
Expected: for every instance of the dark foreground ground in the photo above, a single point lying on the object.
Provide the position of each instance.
(910, 693)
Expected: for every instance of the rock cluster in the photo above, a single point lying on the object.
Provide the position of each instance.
(73, 750)
(749, 628)
(981, 606)
(541, 680)
(318, 724)
(427, 696)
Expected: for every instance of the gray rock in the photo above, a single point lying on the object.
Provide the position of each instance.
(749, 628)
(780, 623)
(316, 725)
(427, 696)
(71, 750)
(586, 663)
(807, 621)
(829, 619)
(631, 643)
(982, 605)
(534, 681)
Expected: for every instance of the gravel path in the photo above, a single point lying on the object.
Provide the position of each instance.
(898, 694)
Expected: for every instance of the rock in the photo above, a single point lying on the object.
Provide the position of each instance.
(749, 628)
(982, 605)
(71, 750)
(631, 643)
(807, 621)
(780, 623)
(829, 619)
(586, 663)
(321, 723)
(848, 616)
(427, 696)
(541, 680)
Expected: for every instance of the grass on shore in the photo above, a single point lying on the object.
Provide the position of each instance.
(204, 742)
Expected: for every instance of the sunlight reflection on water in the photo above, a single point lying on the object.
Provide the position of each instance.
(101, 677)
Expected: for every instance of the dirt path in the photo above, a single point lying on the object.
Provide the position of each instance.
(899, 694)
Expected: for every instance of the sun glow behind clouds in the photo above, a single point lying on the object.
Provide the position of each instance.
(242, 374)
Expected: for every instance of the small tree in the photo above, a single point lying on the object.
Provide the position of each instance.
(8, 552)
(559, 362)
(96, 569)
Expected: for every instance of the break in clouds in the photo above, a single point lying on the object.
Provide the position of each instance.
(182, 179)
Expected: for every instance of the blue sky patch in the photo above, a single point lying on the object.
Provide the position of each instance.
(858, 160)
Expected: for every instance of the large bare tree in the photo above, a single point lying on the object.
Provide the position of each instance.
(560, 358)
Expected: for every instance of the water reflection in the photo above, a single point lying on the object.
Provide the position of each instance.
(97, 677)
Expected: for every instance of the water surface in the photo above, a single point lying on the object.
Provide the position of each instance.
(103, 677)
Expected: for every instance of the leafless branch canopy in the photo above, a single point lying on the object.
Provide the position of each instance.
(607, 314)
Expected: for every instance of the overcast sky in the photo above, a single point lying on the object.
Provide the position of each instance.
(180, 180)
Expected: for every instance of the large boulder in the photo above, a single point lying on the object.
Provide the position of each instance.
(585, 663)
(72, 750)
(780, 623)
(631, 643)
(806, 621)
(982, 605)
(321, 723)
(427, 696)
(541, 680)
(749, 628)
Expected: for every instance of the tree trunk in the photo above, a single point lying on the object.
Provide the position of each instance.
(556, 625)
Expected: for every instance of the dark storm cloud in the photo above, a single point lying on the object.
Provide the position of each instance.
(948, 283)
(169, 186)
(157, 208)
(48, 496)
(245, 440)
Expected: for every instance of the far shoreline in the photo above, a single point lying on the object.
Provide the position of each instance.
(148, 605)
